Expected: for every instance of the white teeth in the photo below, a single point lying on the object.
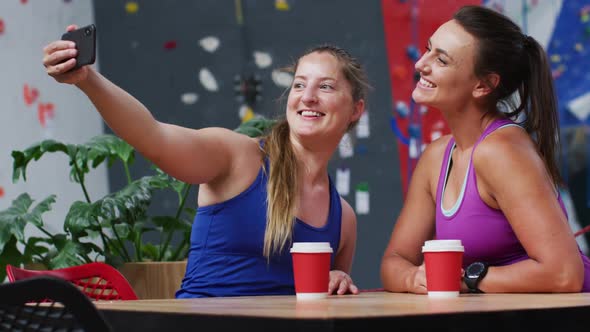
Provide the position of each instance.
(311, 113)
(426, 83)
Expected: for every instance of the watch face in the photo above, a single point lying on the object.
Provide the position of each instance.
(474, 270)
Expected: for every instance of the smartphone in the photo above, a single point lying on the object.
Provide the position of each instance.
(85, 39)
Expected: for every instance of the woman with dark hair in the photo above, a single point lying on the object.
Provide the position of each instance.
(256, 196)
(493, 182)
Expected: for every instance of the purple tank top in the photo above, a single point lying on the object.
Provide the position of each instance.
(485, 232)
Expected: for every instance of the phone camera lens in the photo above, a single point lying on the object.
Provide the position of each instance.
(87, 32)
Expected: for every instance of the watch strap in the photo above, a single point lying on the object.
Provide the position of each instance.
(472, 282)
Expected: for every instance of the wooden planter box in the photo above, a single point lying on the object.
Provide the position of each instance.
(154, 280)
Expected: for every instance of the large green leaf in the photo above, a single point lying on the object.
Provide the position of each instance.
(150, 252)
(79, 164)
(167, 181)
(35, 215)
(92, 234)
(94, 152)
(161, 181)
(50, 145)
(130, 202)
(11, 221)
(255, 127)
(10, 255)
(81, 217)
(14, 219)
(123, 230)
(116, 213)
(168, 224)
(37, 247)
(101, 148)
(67, 253)
(34, 152)
(12, 225)
(110, 146)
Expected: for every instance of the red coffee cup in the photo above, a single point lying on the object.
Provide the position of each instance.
(443, 260)
(311, 269)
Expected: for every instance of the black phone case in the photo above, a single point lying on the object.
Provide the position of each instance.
(85, 39)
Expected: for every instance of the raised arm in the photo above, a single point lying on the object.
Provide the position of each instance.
(194, 156)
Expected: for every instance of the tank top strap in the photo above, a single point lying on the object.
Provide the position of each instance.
(443, 170)
(490, 129)
(266, 160)
(447, 155)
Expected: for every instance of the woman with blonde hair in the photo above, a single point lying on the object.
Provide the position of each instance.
(256, 196)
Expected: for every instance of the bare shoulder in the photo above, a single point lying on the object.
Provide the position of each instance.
(240, 146)
(505, 147)
(241, 164)
(348, 214)
(227, 135)
(349, 222)
(348, 225)
(506, 157)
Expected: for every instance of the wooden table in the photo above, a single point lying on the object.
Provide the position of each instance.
(364, 312)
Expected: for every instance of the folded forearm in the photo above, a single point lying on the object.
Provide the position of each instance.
(396, 274)
(532, 276)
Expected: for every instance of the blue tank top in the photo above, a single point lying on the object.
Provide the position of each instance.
(484, 232)
(225, 257)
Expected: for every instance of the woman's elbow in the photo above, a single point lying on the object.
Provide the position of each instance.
(570, 280)
(385, 277)
(386, 273)
(392, 277)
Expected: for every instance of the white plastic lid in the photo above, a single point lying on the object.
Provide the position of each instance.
(309, 247)
(442, 245)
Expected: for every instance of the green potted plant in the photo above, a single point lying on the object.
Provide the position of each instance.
(118, 222)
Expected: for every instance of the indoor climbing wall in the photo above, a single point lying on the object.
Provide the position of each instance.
(217, 63)
(408, 26)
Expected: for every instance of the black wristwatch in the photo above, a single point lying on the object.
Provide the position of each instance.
(473, 275)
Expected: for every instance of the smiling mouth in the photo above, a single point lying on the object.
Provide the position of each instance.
(310, 114)
(426, 83)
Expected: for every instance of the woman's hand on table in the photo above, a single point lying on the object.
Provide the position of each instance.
(341, 283)
(417, 282)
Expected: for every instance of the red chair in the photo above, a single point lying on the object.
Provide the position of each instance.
(99, 281)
